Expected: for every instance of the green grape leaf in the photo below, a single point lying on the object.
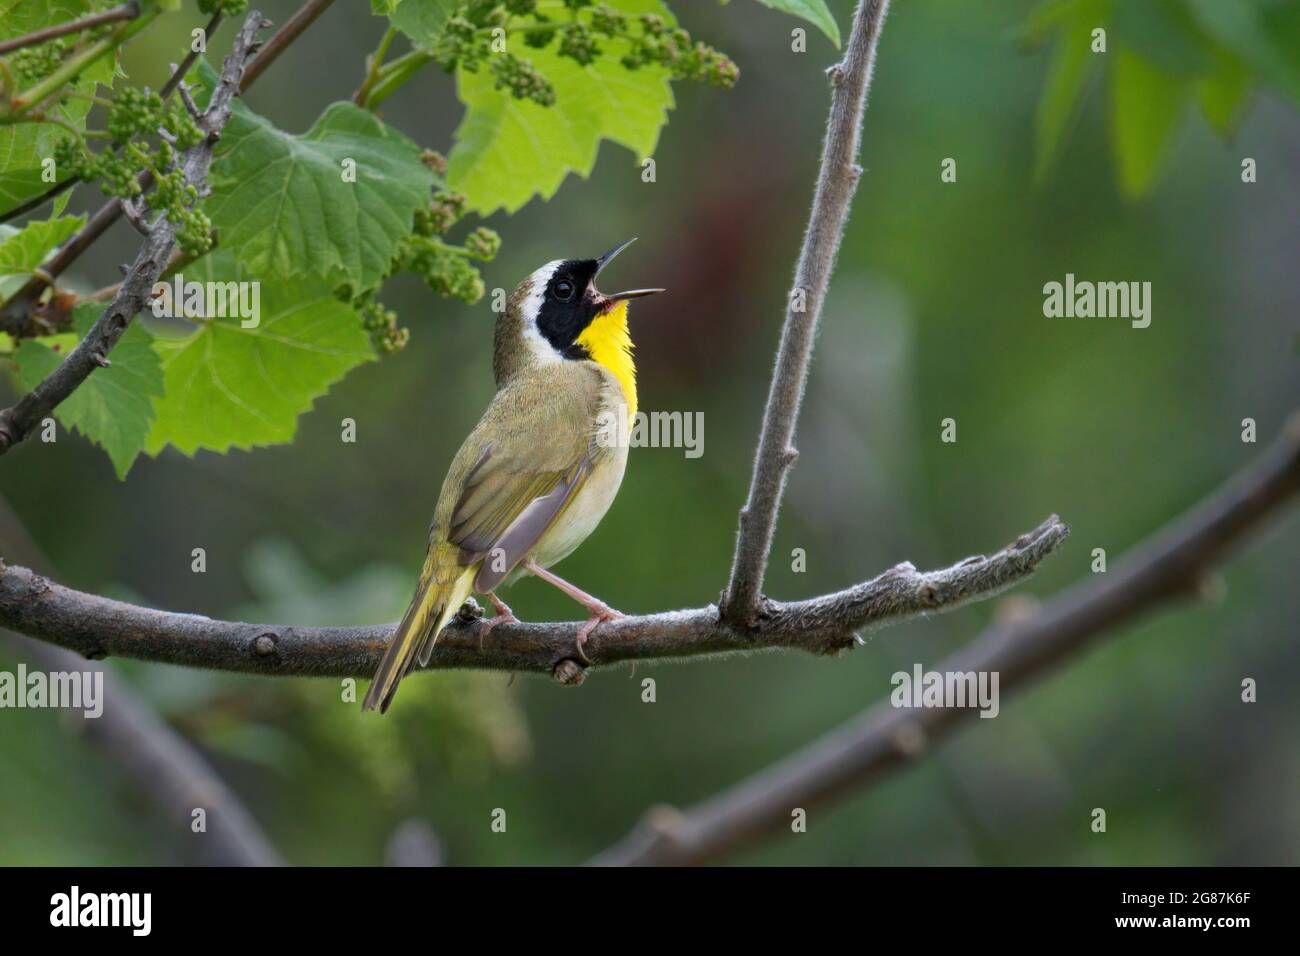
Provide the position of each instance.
(1146, 105)
(284, 204)
(1223, 92)
(509, 150)
(420, 20)
(1073, 62)
(1165, 32)
(814, 11)
(24, 146)
(24, 249)
(9, 284)
(234, 387)
(113, 407)
(1041, 22)
(1264, 34)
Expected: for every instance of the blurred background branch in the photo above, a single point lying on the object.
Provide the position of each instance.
(1174, 563)
(156, 761)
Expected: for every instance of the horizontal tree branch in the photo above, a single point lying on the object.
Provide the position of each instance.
(98, 627)
(1171, 564)
(92, 351)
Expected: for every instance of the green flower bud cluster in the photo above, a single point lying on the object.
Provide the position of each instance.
(434, 160)
(578, 44)
(133, 124)
(445, 268)
(606, 21)
(140, 112)
(227, 8)
(483, 243)
(686, 60)
(471, 38)
(449, 274)
(443, 213)
(37, 62)
(521, 79)
(381, 323)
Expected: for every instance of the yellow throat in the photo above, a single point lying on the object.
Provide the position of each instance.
(608, 342)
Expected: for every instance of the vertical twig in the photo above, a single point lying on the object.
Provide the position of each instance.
(850, 80)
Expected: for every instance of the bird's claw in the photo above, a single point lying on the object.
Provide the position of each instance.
(504, 616)
(599, 614)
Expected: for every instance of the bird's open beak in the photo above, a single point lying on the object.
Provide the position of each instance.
(606, 259)
(632, 294)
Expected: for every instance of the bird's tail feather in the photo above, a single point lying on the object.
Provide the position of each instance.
(430, 611)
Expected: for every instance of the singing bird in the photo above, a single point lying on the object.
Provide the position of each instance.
(538, 472)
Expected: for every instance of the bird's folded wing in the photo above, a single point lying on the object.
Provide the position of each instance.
(509, 499)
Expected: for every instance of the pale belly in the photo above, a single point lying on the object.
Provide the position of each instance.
(584, 513)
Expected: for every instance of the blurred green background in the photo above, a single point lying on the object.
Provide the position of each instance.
(935, 312)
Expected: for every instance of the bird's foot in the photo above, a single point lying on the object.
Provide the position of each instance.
(600, 612)
(504, 616)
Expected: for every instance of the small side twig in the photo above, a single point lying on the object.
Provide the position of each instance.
(190, 106)
(135, 217)
(180, 69)
(127, 11)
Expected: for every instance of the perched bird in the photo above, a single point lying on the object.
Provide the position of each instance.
(535, 476)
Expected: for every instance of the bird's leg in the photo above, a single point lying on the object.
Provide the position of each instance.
(598, 609)
(504, 614)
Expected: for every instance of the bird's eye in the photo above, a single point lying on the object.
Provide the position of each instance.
(563, 290)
